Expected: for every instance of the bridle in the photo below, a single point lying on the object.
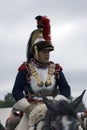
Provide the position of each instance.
(47, 125)
(36, 124)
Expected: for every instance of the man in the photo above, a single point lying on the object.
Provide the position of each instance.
(38, 73)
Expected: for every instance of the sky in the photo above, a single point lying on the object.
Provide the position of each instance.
(68, 32)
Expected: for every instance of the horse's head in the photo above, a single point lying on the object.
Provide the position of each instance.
(61, 114)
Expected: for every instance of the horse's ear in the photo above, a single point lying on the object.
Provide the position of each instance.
(77, 101)
(48, 102)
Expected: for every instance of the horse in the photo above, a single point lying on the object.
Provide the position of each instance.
(57, 114)
(61, 115)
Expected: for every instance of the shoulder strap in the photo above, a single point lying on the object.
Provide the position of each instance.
(57, 69)
(25, 66)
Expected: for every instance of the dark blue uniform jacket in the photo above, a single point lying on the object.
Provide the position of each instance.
(20, 83)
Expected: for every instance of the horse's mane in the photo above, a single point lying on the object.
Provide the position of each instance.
(64, 108)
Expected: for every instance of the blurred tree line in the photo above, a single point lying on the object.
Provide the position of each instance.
(9, 101)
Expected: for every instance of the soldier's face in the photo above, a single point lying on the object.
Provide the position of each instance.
(44, 55)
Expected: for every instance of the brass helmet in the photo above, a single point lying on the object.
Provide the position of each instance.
(40, 38)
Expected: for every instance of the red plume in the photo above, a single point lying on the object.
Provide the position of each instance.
(44, 22)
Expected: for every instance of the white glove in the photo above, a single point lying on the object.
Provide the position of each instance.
(21, 105)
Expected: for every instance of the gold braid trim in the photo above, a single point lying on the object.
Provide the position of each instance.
(49, 77)
(37, 77)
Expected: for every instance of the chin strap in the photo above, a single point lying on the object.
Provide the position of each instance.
(36, 51)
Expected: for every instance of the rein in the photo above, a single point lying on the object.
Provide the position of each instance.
(36, 125)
